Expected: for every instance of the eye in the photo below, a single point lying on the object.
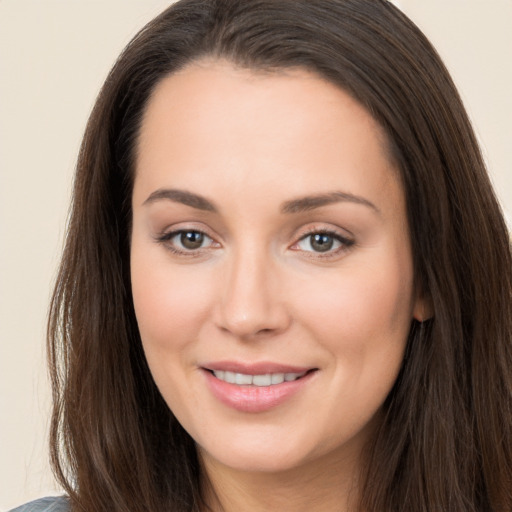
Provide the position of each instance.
(323, 242)
(186, 240)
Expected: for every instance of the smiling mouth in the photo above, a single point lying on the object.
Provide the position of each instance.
(258, 387)
(262, 380)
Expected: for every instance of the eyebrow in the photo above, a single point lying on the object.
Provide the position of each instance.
(183, 197)
(299, 205)
(304, 204)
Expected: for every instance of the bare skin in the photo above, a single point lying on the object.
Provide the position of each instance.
(270, 241)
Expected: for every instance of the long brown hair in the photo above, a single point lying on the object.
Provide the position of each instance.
(445, 441)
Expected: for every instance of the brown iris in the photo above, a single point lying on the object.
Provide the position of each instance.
(321, 242)
(191, 239)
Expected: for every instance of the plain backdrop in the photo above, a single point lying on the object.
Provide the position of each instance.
(54, 56)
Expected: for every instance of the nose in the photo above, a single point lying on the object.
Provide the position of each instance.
(251, 303)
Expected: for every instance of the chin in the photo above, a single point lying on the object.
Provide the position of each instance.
(247, 461)
(262, 453)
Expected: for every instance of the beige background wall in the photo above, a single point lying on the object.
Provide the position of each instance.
(53, 58)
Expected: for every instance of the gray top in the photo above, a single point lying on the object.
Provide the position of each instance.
(54, 504)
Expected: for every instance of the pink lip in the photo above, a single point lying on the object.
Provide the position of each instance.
(254, 399)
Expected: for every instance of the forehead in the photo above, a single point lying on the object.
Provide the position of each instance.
(238, 128)
(218, 86)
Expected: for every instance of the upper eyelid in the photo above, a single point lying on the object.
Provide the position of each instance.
(175, 229)
(343, 240)
(333, 234)
(169, 235)
(343, 234)
(174, 233)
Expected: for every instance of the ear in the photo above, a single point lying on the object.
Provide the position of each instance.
(423, 308)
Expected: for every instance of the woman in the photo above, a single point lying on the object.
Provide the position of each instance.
(286, 283)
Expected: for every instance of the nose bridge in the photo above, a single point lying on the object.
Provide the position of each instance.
(251, 303)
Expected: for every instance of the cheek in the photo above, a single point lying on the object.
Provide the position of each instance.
(365, 307)
(170, 302)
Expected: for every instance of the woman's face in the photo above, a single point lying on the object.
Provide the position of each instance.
(270, 263)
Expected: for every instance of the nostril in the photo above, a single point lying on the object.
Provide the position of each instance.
(264, 331)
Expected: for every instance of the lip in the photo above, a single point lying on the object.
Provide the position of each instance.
(255, 399)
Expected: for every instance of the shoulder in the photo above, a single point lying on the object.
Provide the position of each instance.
(54, 504)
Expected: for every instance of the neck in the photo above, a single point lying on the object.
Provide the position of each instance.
(321, 485)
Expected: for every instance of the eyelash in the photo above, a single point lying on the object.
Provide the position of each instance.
(166, 239)
(345, 243)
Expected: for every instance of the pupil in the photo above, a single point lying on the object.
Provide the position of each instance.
(321, 242)
(191, 239)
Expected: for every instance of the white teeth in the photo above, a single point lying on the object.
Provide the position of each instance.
(262, 380)
(243, 379)
(268, 379)
(230, 377)
(277, 378)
